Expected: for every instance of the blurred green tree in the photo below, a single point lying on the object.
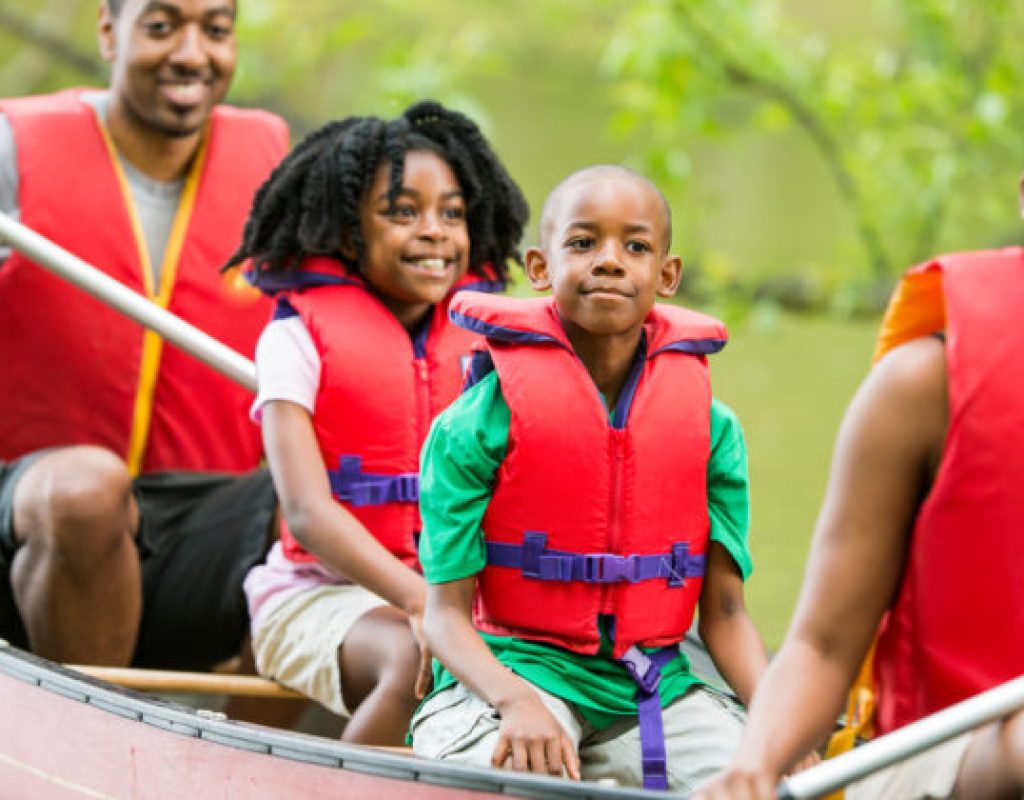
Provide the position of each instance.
(919, 128)
(914, 116)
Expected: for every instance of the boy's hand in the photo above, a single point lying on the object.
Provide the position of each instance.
(425, 675)
(533, 740)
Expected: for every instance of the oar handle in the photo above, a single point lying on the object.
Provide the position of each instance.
(908, 741)
(119, 297)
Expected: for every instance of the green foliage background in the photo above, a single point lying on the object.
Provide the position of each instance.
(810, 151)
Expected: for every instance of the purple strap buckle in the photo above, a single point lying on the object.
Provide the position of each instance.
(609, 568)
(684, 565)
(351, 484)
(642, 669)
(536, 560)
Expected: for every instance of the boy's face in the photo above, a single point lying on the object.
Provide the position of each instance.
(416, 251)
(604, 253)
(171, 61)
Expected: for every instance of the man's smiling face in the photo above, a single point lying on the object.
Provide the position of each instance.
(172, 61)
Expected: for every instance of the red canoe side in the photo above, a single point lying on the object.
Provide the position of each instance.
(53, 747)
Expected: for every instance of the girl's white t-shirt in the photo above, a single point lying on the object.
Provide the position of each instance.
(287, 366)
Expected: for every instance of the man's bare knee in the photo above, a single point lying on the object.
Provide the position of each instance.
(993, 765)
(76, 500)
(1013, 745)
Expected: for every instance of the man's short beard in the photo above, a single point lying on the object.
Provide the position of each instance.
(168, 129)
(177, 132)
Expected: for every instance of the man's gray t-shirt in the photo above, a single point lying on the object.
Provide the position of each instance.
(156, 202)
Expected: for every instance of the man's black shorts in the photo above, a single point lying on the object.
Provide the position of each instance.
(199, 536)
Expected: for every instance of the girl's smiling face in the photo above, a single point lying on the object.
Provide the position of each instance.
(417, 249)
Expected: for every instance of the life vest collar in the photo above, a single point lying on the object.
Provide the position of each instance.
(536, 321)
(523, 321)
(315, 271)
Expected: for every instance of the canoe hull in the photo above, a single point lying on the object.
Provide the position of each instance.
(65, 735)
(53, 748)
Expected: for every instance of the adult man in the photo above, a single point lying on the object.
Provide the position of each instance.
(921, 522)
(151, 182)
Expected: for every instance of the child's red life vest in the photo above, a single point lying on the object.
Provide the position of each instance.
(79, 372)
(379, 391)
(590, 517)
(957, 625)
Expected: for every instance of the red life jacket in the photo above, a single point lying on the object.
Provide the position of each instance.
(379, 391)
(957, 625)
(590, 518)
(79, 372)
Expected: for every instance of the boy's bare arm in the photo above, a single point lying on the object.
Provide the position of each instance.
(530, 738)
(327, 529)
(887, 445)
(732, 639)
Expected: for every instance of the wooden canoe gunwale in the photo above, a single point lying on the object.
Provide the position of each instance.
(217, 731)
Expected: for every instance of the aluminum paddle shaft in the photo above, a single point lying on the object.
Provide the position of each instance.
(130, 303)
(906, 742)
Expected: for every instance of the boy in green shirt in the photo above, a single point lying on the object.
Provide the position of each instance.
(576, 535)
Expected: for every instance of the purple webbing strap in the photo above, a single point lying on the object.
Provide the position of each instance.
(351, 484)
(645, 669)
(536, 560)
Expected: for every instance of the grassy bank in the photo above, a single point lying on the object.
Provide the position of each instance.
(789, 381)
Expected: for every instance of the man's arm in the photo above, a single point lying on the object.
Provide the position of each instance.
(885, 454)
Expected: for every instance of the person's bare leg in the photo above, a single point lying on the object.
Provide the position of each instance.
(266, 711)
(76, 577)
(379, 661)
(993, 766)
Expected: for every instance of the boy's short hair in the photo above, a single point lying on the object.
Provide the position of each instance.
(550, 204)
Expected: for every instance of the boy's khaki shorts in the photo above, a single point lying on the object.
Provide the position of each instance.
(702, 731)
(298, 639)
(928, 776)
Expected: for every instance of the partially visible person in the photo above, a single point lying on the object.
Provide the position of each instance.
(580, 501)
(109, 552)
(920, 532)
(364, 233)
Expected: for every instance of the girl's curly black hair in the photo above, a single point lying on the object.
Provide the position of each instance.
(312, 199)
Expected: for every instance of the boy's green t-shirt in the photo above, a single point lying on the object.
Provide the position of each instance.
(461, 456)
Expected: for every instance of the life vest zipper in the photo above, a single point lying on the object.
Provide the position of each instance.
(422, 399)
(616, 456)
